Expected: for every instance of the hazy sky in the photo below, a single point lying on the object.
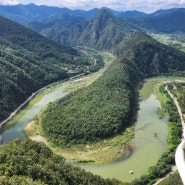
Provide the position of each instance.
(140, 5)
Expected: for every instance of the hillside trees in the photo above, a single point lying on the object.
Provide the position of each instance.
(102, 110)
(26, 162)
(28, 62)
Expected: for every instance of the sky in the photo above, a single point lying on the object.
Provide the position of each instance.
(147, 6)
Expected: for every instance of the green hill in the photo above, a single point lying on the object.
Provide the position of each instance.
(150, 56)
(106, 107)
(28, 62)
(25, 162)
(102, 110)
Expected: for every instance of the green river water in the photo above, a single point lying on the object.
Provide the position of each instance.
(148, 144)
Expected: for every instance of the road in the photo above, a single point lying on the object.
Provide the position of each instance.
(180, 152)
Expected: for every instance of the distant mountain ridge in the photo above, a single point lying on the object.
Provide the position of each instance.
(24, 14)
(167, 21)
(55, 23)
(105, 31)
(46, 19)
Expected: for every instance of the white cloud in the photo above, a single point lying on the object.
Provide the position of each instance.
(8, 2)
(140, 5)
(151, 5)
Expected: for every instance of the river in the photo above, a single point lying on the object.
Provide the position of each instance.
(17, 131)
(148, 145)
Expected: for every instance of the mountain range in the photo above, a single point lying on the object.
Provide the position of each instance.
(25, 14)
(44, 19)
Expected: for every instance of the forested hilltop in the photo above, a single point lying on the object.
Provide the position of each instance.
(105, 108)
(102, 110)
(26, 162)
(28, 62)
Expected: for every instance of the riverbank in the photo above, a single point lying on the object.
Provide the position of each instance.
(93, 153)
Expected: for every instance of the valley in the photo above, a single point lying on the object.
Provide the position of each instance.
(98, 78)
(138, 145)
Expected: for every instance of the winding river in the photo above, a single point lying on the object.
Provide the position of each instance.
(148, 144)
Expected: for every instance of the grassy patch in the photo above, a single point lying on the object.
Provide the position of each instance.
(148, 88)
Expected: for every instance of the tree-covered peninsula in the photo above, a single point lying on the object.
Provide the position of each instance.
(108, 106)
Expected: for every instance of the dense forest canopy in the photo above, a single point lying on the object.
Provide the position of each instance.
(102, 110)
(26, 162)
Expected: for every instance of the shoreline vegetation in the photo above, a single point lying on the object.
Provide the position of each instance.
(93, 153)
(166, 164)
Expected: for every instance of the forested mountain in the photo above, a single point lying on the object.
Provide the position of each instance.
(101, 110)
(105, 31)
(25, 14)
(28, 62)
(150, 56)
(106, 107)
(25, 162)
(167, 21)
(55, 24)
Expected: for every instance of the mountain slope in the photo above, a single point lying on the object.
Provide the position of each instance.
(150, 56)
(167, 21)
(104, 32)
(24, 14)
(29, 62)
(55, 23)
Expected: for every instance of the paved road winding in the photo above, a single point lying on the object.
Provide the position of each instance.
(180, 154)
